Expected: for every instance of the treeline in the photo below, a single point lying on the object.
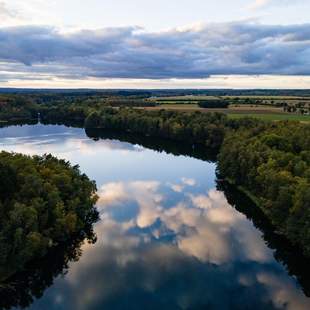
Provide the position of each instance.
(214, 104)
(14, 108)
(64, 113)
(302, 107)
(43, 201)
(201, 128)
(272, 162)
(128, 102)
(156, 143)
(160, 92)
(27, 106)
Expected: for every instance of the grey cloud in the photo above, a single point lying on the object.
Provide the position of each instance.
(128, 52)
(5, 12)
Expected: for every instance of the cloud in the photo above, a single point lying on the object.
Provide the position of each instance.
(144, 194)
(10, 14)
(129, 52)
(260, 4)
(178, 188)
(188, 181)
(203, 226)
(282, 292)
(5, 12)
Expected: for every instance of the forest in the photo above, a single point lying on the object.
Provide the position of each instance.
(270, 161)
(214, 104)
(15, 107)
(200, 128)
(43, 202)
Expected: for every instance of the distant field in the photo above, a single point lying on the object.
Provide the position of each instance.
(272, 117)
(185, 98)
(263, 107)
(232, 108)
(261, 112)
(176, 106)
(244, 108)
(240, 100)
(201, 97)
(270, 97)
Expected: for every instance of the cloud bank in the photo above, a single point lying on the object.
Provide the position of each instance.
(129, 52)
(260, 4)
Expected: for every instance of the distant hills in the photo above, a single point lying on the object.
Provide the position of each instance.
(163, 92)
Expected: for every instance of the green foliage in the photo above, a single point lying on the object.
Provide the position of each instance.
(214, 104)
(14, 108)
(269, 160)
(43, 201)
(271, 116)
(273, 163)
(201, 128)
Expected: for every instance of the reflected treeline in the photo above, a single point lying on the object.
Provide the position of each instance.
(289, 255)
(18, 123)
(21, 289)
(155, 143)
(67, 123)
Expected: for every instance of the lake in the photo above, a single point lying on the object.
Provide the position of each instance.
(170, 235)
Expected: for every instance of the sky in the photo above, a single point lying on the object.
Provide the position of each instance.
(155, 44)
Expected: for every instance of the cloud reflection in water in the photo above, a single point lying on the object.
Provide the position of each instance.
(163, 241)
(194, 251)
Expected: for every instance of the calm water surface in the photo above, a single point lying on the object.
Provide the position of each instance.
(167, 238)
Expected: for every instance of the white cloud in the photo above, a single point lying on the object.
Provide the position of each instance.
(184, 182)
(260, 4)
(205, 226)
(111, 193)
(176, 187)
(145, 194)
(125, 53)
(201, 201)
(283, 294)
(188, 181)
(6, 14)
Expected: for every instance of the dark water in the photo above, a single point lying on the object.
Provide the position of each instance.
(169, 237)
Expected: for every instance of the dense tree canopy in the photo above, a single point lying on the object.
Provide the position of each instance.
(16, 108)
(214, 104)
(43, 201)
(273, 163)
(202, 128)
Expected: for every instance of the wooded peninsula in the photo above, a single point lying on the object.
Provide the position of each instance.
(43, 202)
